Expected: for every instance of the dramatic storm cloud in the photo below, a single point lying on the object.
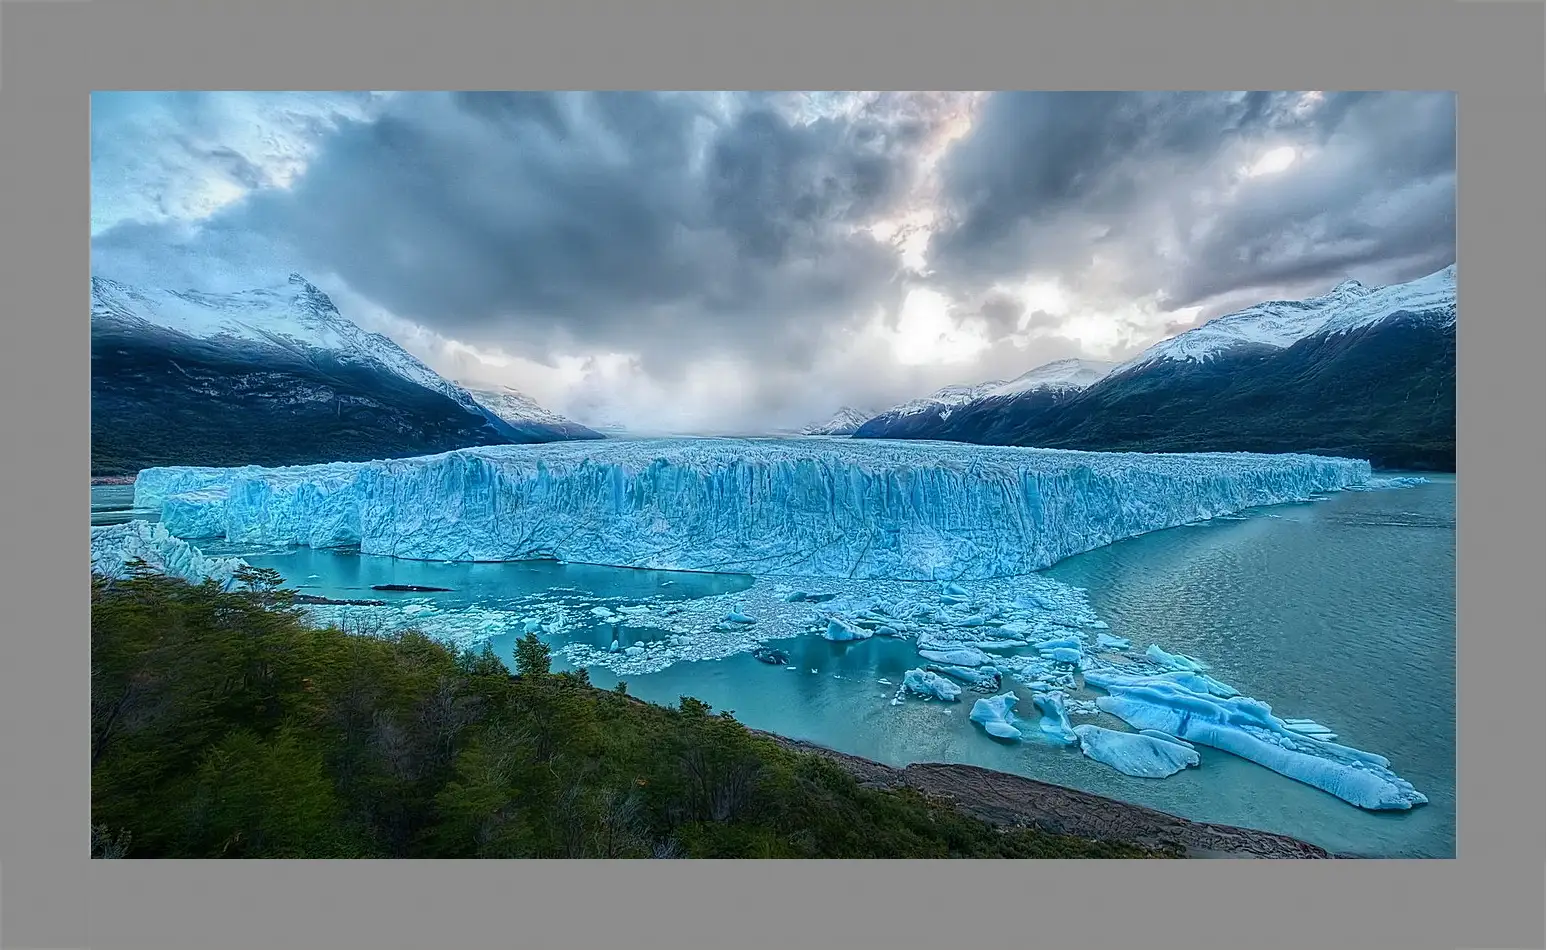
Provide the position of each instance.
(736, 261)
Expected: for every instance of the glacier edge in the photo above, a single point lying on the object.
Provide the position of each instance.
(909, 511)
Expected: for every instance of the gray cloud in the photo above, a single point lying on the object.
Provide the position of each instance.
(1147, 183)
(688, 230)
(642, 222)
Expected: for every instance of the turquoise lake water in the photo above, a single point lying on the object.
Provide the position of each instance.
(1340, 610)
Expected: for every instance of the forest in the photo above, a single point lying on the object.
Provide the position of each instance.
(224, 725)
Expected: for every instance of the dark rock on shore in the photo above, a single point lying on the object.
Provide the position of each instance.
(1007, 800)
(314, 599)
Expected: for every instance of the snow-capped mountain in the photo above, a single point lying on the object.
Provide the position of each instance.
(1358, 371)
(518, 409)
(843, 422)
(294, 316)
(1278, 324)
(273, 375)
(927, 418)
(1061, 375)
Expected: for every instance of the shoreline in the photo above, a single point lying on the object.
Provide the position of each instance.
(1007, 800)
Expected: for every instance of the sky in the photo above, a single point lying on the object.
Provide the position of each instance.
(737, 262)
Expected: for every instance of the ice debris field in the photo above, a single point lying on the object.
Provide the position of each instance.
(935, 544)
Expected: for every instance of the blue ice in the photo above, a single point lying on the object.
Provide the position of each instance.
(931, 685)
(1055, 719)
(852, 509)
(840, 630)
(1247, 728)
(1142, 755)
(995, 714)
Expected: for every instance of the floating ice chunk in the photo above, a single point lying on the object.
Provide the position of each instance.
(1055, 721)
(884, 681)
(531, 626)
(996, 716)
(736, 616)
(1196, 682)
(963, 656)
(795, 597)
(601, 612)
(978, 679)
(1112, 643)
(1137, 754)
(1174, 661)
(114, 546)
(1400, 481)
(955, 590)
(931, 686)
(1033, 602)
(1065, 655)
(1005, 644)
(1310, 728)
(615, 647)
(1247, 728)
(886, 630)
(634, 649)
(1066, 643)
(839, 630)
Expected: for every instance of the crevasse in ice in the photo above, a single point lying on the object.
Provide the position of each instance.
(864, 509)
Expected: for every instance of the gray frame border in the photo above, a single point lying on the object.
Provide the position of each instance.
(54, 54)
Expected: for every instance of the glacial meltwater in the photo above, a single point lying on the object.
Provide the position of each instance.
(1339, 610)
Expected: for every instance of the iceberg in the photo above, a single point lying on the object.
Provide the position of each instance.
(1142, 754)
(978, 679)
(966, 656)
(1247, 728)
(1109, 642)
(848, 509)
(840, 630)
(1055, 720)
(1196, 682)
(931, 686)
(996, 716)
(113, 547)
(1174, 661)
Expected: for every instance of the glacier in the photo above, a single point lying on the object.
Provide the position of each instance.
(114, 547)
(843, 509)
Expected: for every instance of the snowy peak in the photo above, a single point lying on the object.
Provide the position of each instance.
(945, 399)
(844, 422)
(295, 317)
(517, 408)
(1058, 376)
(1279, 324)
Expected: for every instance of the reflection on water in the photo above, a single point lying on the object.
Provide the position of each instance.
(1342, 611)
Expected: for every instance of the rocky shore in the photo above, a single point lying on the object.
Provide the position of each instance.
(1008, 800)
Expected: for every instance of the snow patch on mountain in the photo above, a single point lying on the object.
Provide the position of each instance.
(1058, 376)
(517, 408)
(295, 317)
(1280, 324)
(843, 422)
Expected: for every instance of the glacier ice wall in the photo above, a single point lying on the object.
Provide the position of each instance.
(114, 546)
(768, 507)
